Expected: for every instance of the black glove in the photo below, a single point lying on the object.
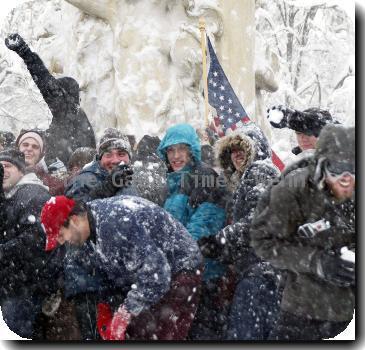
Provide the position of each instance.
(16, 43)
(210, 247)
(335, 270)
(120, 177)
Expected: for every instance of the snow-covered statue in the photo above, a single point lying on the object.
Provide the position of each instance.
(266, 69)
(138, 62)
(157, 57)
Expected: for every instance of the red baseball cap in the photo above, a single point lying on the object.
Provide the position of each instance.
(54, 214)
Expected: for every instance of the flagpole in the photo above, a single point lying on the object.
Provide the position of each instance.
(204, 59)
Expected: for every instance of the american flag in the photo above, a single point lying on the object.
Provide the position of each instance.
(229, 114)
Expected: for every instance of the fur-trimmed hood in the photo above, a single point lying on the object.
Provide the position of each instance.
(251, 140)
(224, 146)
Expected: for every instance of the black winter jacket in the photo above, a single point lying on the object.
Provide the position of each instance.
(23, 260)
(255, 175)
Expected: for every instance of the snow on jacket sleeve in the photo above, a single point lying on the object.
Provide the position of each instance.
(144, 261)
(236, 237)
(47, 84)
(274, 225)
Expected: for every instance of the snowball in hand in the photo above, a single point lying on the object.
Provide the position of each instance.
(13, 42)
(275, 116)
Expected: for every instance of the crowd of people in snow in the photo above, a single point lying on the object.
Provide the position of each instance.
(189, 237)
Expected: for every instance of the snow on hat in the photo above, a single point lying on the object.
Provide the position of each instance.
(54, 214)
(34, 134)
(310, 121)
(336, 144)
(111, 139)
(14, 156)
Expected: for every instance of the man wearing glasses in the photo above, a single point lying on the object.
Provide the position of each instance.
(305, 225)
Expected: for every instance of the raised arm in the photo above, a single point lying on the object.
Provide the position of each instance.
(47, 84)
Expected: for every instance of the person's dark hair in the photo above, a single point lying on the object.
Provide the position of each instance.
(79, 208)
(80, 157)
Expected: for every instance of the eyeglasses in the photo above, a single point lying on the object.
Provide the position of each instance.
(339, 169)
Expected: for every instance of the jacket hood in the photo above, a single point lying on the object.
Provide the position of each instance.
(71, 86)
(224, 146)
(28, 179)
(181, 133)
(250, 139)
(336, 143)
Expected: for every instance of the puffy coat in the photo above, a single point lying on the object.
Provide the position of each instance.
(247, 183)
(207, 217)
(22, 240)
(25, 271)
(135, 247)
(70, 127)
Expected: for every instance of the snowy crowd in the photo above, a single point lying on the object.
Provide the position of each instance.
(190, 237)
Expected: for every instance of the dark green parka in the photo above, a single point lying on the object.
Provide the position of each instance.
(302, 197)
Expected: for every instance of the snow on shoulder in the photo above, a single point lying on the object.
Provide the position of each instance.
(134, 203)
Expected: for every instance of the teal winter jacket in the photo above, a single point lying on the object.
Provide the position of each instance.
(206, 217)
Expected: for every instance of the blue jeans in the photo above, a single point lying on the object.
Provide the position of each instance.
(255, 308)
